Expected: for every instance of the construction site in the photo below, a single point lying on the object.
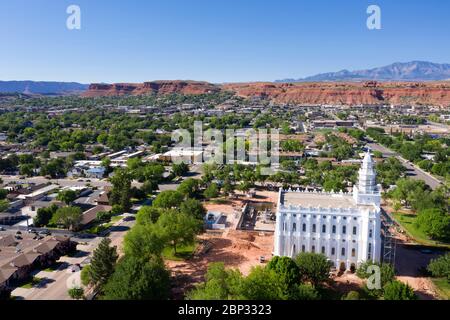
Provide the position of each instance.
(244, 241)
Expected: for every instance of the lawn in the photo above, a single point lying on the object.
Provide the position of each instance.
(116, 218)
(53, 267)
(31, 283)
(407, 223)
(443, 287)
(183, 252)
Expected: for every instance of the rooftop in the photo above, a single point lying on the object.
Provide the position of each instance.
(315, 199)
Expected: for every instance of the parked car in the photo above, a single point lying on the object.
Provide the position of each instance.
(45, 233)
(2, 229)
(75, 268)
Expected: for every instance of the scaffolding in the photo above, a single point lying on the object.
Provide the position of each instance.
(389, 241)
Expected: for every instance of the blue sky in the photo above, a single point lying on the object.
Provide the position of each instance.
(214, 40)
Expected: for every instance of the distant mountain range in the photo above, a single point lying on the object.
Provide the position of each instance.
(42, 87)
(408, 71)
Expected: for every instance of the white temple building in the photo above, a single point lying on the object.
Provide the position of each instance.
(345, 227)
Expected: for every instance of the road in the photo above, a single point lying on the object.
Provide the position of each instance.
(15, 228)
(56, 283)
(413, 171)
(195, 172)
(62, 182)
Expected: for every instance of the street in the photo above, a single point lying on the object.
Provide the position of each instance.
(413, 171)
(62, 182)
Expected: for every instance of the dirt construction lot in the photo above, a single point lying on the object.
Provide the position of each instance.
(236, 248)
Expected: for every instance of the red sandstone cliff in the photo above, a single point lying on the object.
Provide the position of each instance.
(432, 93)
(436, 93)
(155, 87)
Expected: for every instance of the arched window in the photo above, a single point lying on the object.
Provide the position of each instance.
(354, 231)
(314, 228)
(324, 228)
(304, 227)
(294, 227)
(294, 250)
(344, 230)
(303, 248)
(343, 252)
(323, 250)
(333, 251)
(370, 233)
(334, 229)
(313, 249)
(353, 252)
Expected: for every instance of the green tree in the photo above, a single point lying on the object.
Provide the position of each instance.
(194, 208)
(76, 293)
(26, 169)
(103, 216)
(387, 272)
(121, 189)
(149, 186)
(397, 290)
(263, 284)
(188, 188)
(68, 217)
(220, 284)
(168, 199)
(137, 278)
(3, 194)
(54, 168)
(333, 183)
(144, 240)
(180, 169)
(407, 189)
(352, 295)
(440, 267)
(313, 267)
(287, 270)
(178, 228)
(228, 187)
(44, 216)
(303, 292)
(212, 191)
(148, 215)
(103, 263)
(85, 275)
(244, 186)
(4, 205)
(435, 223)
(67, 196)
(134, 163)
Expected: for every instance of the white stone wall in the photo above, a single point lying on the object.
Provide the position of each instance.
(295, 233)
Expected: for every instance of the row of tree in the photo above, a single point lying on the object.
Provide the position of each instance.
(283, 278)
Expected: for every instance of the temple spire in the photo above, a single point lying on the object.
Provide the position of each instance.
(367, 191)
